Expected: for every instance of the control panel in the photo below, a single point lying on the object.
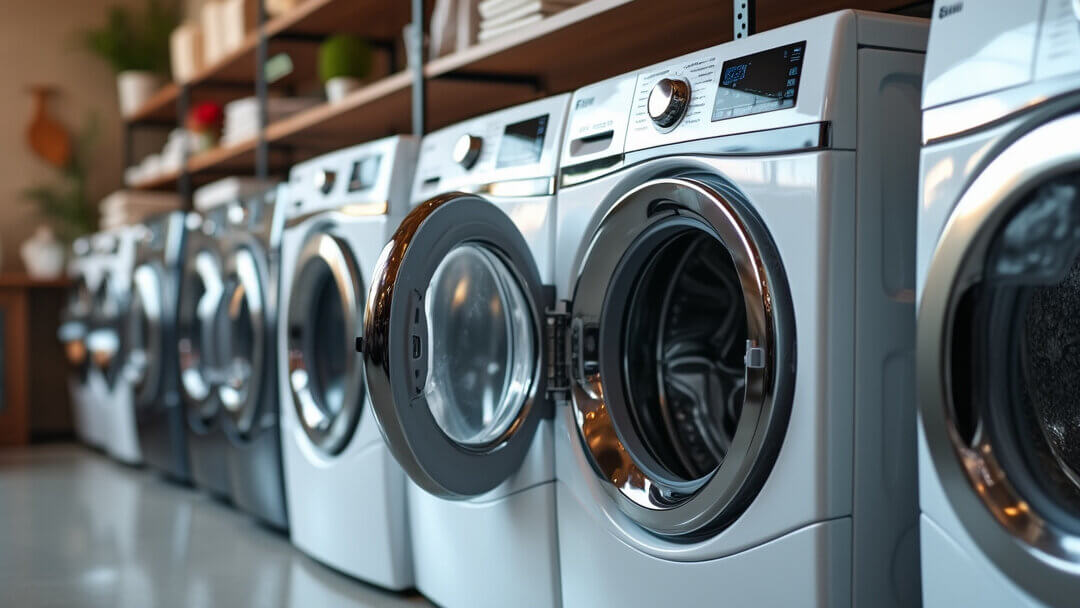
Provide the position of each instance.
(512, 146)
(800, 74)
(370, 179)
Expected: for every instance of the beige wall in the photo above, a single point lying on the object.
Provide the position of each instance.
(38, 41)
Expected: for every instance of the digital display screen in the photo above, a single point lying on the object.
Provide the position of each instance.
(761, 82)
(364, 173)
(522, 143)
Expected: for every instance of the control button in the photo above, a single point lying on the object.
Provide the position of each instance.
(324, 180)
(467, 150)
(667, 102)
(237, 213)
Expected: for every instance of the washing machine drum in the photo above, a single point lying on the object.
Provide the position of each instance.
(199, 332)
(999, 350)
(104, 341)
(324, 313)
(244, 325)
(683, 347)
(145, 341)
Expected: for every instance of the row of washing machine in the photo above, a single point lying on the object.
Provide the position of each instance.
(653, 342)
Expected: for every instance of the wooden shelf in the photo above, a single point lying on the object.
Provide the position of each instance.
(24, 281)
(586, 43)
(375, 19)
(163, 181)
(159, 108)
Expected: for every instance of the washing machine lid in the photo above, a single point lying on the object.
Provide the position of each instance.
(998, 368)
(453, 345)
(243, 355)
(198, 330)
(324, 314)
(144, 332)
(683, 355)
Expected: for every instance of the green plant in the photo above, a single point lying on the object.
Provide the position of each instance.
(65, 204)
(130, 41)
(344, 55)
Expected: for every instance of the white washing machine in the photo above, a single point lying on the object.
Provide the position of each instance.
(75, 324)
(112, 388)
(454, 339)
(998, 293)
(344, 493)
(736, 255)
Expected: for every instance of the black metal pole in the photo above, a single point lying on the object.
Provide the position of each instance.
(183, 182)
(416, 64)
(262, 148)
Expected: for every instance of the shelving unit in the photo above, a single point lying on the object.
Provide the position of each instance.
(585, 43)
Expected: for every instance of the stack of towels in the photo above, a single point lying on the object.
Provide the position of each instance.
(498, 17)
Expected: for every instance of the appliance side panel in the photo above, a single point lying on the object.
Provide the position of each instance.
(885, 517)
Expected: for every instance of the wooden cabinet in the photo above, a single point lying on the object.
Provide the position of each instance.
(34, 401)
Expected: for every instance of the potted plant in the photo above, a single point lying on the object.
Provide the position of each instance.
(137, 48)
(344, 61)
(65, 207)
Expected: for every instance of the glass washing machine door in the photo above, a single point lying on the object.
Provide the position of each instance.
(75, 326)
(244, 326)
(105, 339)
(199, 335)
(454, 346)
(999, 360)
(681, 359)
(144, 334)
(324, 318)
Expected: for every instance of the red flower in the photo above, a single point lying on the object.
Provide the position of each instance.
(205, 116)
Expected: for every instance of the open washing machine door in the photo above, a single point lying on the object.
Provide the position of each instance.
(324, 316)
(682, 355)
(243, 355)
(143, 366)
(75, 327)
(999, 361)
(198, 332)
(106, 336)
(454, 346)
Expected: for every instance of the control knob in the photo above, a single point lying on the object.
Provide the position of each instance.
(324, 180)
(467, 150)
(667, 102)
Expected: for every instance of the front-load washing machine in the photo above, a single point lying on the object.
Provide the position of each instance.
(248, 384)
(151, 363)
(735, 258)
(200, 340)
(345, 494)
(454, 338)
(998, 294)
(107, 343)
(75, 324)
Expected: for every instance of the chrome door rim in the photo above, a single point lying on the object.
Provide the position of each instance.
(1043, 559)
(769, 320)
(143, 365)
(329, 433)
(241, 399)
(196, 383)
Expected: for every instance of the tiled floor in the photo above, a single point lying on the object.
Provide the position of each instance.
(77, 529)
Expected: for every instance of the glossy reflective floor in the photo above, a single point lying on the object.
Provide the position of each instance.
(77, 529)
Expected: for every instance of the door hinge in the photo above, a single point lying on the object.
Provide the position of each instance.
(556, 328)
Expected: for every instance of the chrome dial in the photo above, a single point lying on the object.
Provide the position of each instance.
(467, 150)
(667, 102)
(324, 180)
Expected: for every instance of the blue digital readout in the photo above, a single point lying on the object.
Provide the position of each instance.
(762, 82)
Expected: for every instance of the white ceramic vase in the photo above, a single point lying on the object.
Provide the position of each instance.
(340, 86)
(43, 254)
(134, 88)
